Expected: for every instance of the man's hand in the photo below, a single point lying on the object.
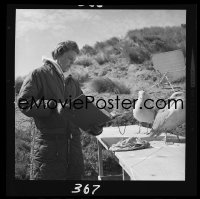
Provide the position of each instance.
(59, 109)
(95, 130)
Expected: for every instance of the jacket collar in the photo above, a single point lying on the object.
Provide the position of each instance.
(56, 66)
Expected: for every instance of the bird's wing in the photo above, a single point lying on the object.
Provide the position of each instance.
(175, 118)
(159, 121)
(168, 119)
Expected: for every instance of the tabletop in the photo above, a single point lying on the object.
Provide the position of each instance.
(159, 162)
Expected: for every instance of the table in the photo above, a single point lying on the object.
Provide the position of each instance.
(159, 162)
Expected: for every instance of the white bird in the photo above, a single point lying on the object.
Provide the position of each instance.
(171, 116)
(140, 112)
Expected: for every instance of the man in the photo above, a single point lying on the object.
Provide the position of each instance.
(56, 152)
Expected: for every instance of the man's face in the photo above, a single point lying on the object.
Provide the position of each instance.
(67, 59)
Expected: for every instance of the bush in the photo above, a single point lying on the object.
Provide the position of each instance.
(99, 46)
(22, 171)
(90, 155)
(182, 46)
(81, 77)
(101, 85)
(80, 73)
(84, 60)
(23, 135)
(121, 87)
(103, 72)
(158, 39)
(22, 148)
(88, 50)
(136, 54)
(18, 84)
(179, 80)
(110, 165)
(112, 41)
(101, 58)
(22, 156)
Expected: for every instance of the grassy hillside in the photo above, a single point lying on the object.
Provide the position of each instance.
(117, 66)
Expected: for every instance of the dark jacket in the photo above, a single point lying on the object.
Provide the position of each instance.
(56, 147)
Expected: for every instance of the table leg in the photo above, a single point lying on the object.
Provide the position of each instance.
(125, 175)
(100, 160)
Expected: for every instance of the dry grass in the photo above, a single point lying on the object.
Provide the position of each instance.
(84, 60)
(101, 58)
(80, 73)
(101, 85)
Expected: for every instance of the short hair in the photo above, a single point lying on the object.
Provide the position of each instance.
(63, 47)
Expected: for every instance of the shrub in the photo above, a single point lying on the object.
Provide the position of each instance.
(158, 39)
(112, 41)
(22, 159)
(80, 73)
(101, 58)
(136, 54)
(22, 149)
(110, 165)
(84, 60)
(18, 84)
(88, 50)
(121, 87)
(148, 65)
(135, 35)
(103, 72)
(90, 155)
(81, 77)
(101, 85)
(22, 171)
(182, 46)
(23, 135)
(179, 80)
(99, 46)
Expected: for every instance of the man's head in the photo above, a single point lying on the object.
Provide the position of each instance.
(65, 53)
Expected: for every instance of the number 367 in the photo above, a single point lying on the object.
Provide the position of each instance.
(86, 189)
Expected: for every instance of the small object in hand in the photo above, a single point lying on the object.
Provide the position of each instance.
(60, 108)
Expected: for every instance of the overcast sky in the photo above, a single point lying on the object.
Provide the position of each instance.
(38, 31)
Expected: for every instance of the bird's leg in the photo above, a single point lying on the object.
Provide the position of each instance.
(139, 127)
(165, 139)
(150, 130)
(166, 142)
(147, 129)
(178, 138)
